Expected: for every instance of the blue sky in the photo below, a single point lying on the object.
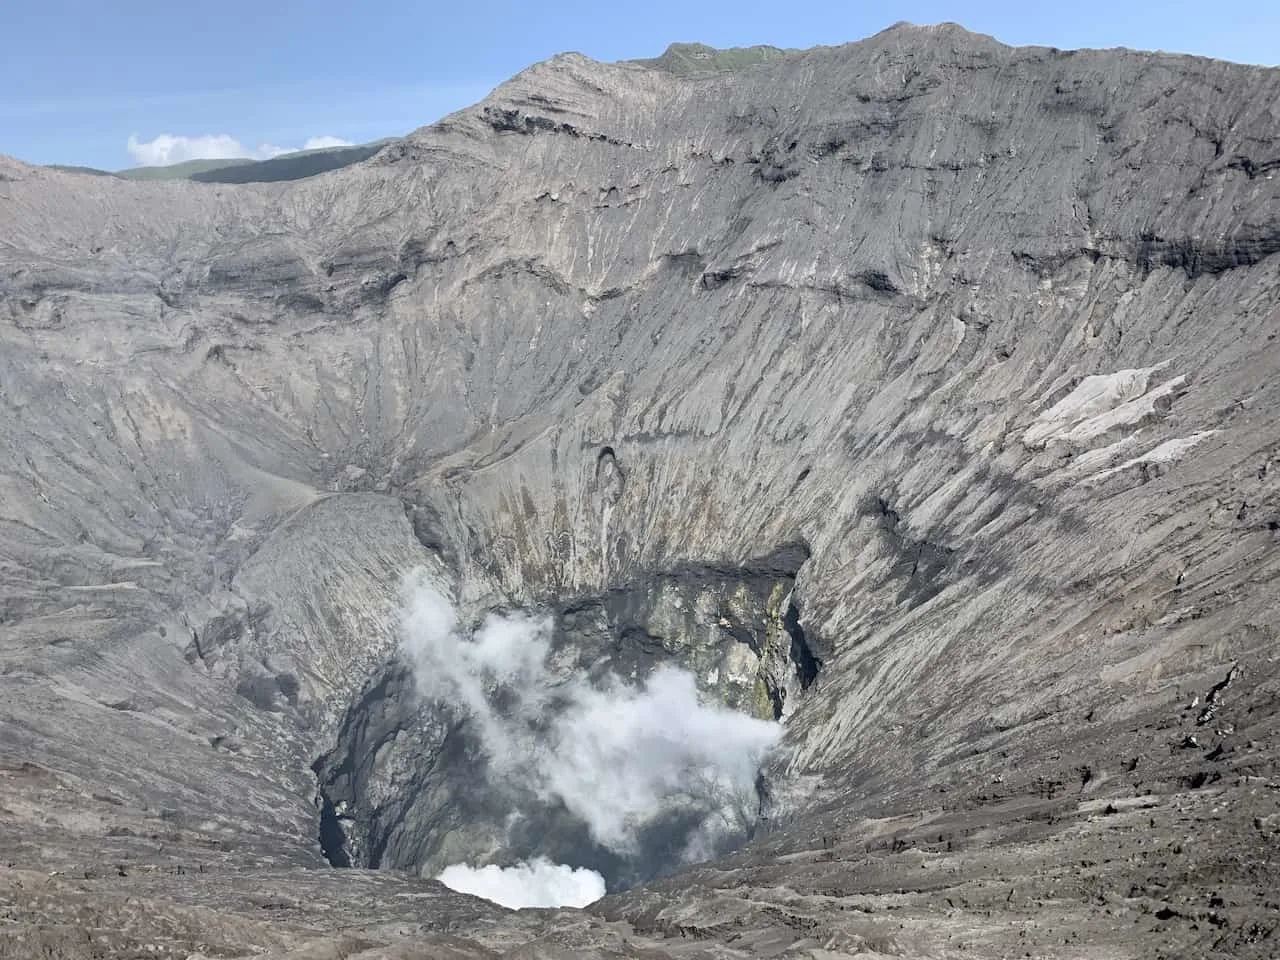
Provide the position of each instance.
(78, 78)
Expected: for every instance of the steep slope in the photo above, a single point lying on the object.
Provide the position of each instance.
(990, 331)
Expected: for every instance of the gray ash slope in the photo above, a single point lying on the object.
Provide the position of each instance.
(991, 331)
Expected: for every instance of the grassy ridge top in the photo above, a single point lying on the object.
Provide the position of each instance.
(180, 171)
(288, 166)
(291, 166)
(691, 59)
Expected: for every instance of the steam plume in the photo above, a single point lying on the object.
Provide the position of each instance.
(619, 757)
(538, 883)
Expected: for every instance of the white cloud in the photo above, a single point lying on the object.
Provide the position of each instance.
(266, 151)
(537, 883)
(322, 143)
(167, 148)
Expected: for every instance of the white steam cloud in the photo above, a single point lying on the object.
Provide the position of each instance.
(168, 149)
(619, 757)
(538, 883)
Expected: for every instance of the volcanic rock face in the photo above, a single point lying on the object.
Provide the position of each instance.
(990, 332)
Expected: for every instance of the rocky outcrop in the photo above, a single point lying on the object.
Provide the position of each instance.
(990, 330)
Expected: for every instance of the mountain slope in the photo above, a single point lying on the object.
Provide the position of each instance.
(184, 170)
(292, 166)
(288, 166)
(990, 331)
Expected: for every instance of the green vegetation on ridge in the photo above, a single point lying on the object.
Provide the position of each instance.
(691, 59)
(287, 166)
(181, 171)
